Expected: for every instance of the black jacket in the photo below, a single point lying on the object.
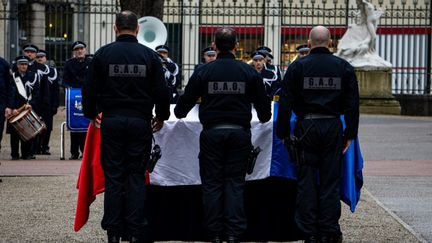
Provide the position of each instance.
(319, 83)
(5, 78)
(75, 72)
(227, 88)
(126, 78)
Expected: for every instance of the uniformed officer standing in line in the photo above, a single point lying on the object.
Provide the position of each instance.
(5, 76)
(171, 70)
(23, 91)
(125, 82)
(319, 88)
(227, 88)
(48, 112)
(41, 71)
(269, 60)
(74, 74)
(269, 77)
(303, 50)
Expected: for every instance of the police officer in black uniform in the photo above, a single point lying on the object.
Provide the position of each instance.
(171, 71)
(269, 59)
(269, 77)
(125, 81)
(227, 88)
(23, 92)
(49, 111)
(319, 88)
(74, 74)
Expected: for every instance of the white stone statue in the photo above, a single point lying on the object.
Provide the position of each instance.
(357, 46)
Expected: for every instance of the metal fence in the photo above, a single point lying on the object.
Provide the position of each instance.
(404, 31)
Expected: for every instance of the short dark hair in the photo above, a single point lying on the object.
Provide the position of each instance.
(126, 20)
(225, 39)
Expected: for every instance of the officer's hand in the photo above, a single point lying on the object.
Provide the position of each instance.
(157, 125)
(8, 113)
(347, 143)
(28, 107)
(96, 121)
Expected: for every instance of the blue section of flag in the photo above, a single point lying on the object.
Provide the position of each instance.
(75, 120)
(352, 166)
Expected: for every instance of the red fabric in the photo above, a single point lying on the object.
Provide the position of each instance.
(91, 179)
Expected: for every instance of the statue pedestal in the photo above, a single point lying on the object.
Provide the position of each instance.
(375, 91)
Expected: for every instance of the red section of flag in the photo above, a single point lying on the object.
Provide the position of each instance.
(91, 180)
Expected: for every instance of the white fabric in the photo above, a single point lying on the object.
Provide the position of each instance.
(20, 87)
(179, 141)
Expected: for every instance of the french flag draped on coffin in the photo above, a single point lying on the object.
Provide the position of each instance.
(175, 207)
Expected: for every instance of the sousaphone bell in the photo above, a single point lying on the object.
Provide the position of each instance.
(152, 32)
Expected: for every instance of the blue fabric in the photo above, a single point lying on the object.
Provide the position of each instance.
(352, 166)
(75, 120)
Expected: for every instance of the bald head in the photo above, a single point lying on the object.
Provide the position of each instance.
(319, 37)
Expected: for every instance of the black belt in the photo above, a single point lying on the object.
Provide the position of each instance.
(316, 116)
(226, 126)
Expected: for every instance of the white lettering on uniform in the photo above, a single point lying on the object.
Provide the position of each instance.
(127, 70)
(322, 83)
(226, 87)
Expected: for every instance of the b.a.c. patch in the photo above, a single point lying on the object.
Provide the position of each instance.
(226, 87)
(331, 83)
(127, 70)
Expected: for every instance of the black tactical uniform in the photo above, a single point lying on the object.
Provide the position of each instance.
(227, 88)
(74, 74)
(125, 82)
(319, 88)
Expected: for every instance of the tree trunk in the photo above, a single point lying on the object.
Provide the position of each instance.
(144, 7)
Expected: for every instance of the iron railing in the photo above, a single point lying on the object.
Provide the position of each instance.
(404, 31)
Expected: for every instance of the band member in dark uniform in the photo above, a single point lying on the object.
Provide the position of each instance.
(49, 111)
(5, 76)
(269, 59)
(303, 50)
(23, 92)
(319, 88)
(208, 55)
(270, 78)
(74, 74)
(126, 81)
(227, 88)
(172, 71)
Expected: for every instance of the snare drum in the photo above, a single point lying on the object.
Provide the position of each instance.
(27, 124)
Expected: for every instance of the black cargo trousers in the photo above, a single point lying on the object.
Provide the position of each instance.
(125, 149)
(223, 161)
(318, 206)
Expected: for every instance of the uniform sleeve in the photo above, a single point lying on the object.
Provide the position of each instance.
(4, 82)
(54, 89)
(351, 104)
(260, 100)
(90, 90)
(160, 91)
(35, 101)
(191, 94)
(286, 100)
(67, 75)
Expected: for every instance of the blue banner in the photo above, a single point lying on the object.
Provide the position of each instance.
(75, 120)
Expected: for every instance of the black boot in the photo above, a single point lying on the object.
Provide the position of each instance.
(312, 239)
(113, 237)
(331, 239)
(216, 239)
(232, 239)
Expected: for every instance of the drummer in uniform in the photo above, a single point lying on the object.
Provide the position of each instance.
(74, 75)
(41, 71)
(49, 111)
(271, 82)
(23, 95)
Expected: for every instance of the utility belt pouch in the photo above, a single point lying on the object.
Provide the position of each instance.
(252, 159)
